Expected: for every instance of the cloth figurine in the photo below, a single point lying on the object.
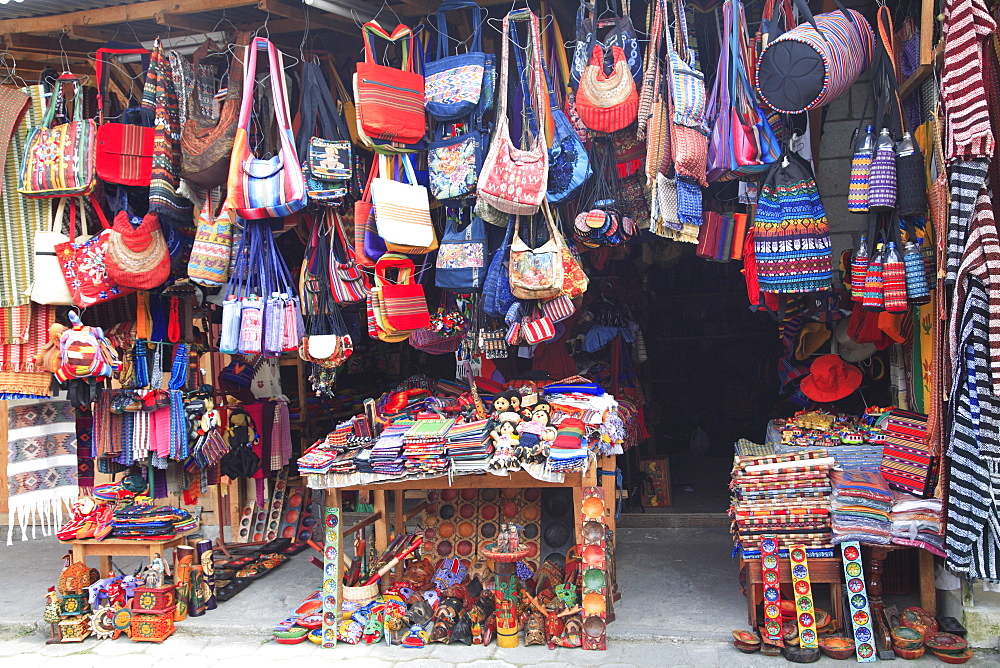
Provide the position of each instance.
(505, 441)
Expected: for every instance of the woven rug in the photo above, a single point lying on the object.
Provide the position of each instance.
(41, 465)
(20, 217)
(23, 332)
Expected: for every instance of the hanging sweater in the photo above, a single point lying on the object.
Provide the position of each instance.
(967, 24)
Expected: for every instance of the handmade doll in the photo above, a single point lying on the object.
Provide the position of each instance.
(515, 401)
(548, 438)
(501, 404)
(505, 440)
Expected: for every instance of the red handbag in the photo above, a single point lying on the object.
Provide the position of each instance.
(402, 302)
(83, 264)
(390, 101)
(137, 257)
(538, 329)
(607, 102)
(123, 153)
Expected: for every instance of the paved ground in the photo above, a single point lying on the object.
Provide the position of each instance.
(680, 601)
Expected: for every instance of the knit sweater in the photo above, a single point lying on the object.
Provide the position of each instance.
(967, 24)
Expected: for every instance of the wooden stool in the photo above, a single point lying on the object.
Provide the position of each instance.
(821, 571)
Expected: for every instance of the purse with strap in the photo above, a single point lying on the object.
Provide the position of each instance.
(83, 264)
(137, 257)
(537, 328)
(390, 101)
(607, 102)
(322, 141)
(273, 187)
(401, 307)
(402, 210)
(536, 273)
(461, 259)
(213, 244)
(348, 282)
(622, 34)
(366, 253)
(49, 285)
(206, 142)
(514, 180)
(497, 296)
(454, 84)
(59, 161)
(124, 153)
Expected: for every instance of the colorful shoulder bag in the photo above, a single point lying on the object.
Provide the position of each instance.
(461, 259)
(536, 273)
(83, 264)
(124, 152)
(273, 187)
(514, 180)
(59, 161)
(454, 84)
(402, 211)
(322, 141)
(213, 244)
(390, 101)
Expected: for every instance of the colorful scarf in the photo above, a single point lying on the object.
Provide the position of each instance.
(41, 464)
(160, 97)
(20, 217)
(23, 332)
(85, 448)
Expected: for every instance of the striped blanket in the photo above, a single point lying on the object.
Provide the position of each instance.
(41, 464)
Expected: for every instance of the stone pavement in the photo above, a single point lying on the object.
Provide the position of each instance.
(201, 652)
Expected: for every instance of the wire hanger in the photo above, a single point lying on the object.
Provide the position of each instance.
(9, 63)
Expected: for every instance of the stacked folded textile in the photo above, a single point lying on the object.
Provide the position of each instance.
(917, 522)
(787, 495)
(316, 461)
(425, 446)
(387, 454)
(907, 463)
(861, 505)
(469, 446)
(149, 522)
(569, 451)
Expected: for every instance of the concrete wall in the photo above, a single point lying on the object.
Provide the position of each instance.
(833, 165)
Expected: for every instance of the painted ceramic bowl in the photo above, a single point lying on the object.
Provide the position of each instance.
(746, 649)
(909, 653)
(945, 643)
(746, 638)
(837, 647)
(920, 619)
(954, 658)
(906, 638)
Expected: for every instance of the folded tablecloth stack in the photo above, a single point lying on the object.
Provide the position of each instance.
(786, 495)
(917, 522)
(860, 507)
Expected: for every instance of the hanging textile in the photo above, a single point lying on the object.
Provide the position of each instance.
(41, 464)
(20, 217)
(159, 98)
(23, 332)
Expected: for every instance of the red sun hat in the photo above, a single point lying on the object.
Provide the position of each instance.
(830, 378)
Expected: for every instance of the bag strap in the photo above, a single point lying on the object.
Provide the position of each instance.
(58, 96)
(372, 29)
(537, 75)
(56, 224)
(478, 18)
(394, 261)
(279, 95)
(317, 110)
(102, 69)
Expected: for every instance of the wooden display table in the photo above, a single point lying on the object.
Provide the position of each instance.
(119, 547)
(821, 571)
(517, 480)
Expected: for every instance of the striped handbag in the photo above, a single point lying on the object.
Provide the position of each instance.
(60, 161)
(402, 210)
(275, 187)
(390, 101)
(813, 64)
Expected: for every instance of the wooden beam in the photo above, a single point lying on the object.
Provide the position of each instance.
(109, 16)
(35, 44)
(195, 25)
(98, 35)
(317, 20)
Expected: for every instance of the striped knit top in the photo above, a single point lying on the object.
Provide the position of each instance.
(982, 261)
(967, 24)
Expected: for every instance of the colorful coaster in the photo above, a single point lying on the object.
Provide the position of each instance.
(804, 609)
(770, 564)
(594, 584)
(331, 583)
(861, 618)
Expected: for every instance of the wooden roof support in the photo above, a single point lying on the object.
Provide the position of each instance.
(107, 16)
(34, 44)
(191, 23)
(97, 35)
(317, 19)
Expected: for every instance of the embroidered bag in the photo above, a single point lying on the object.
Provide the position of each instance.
(59, 161)
(792, 237)
(607, 102)
(882, 180)
(536, 273)
(687, 84)
(322, 141)
(124, 153)
(558, 308)
(390, 101)
(402, 210)
(861, 167)
(453, 164)
(514, 180)
(454, 84)
(136, 257)
(273, 187)
(83, 263)
(206, 140)
(213, 244)
(461, 257)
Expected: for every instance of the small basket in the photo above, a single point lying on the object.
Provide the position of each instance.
(361, 594)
